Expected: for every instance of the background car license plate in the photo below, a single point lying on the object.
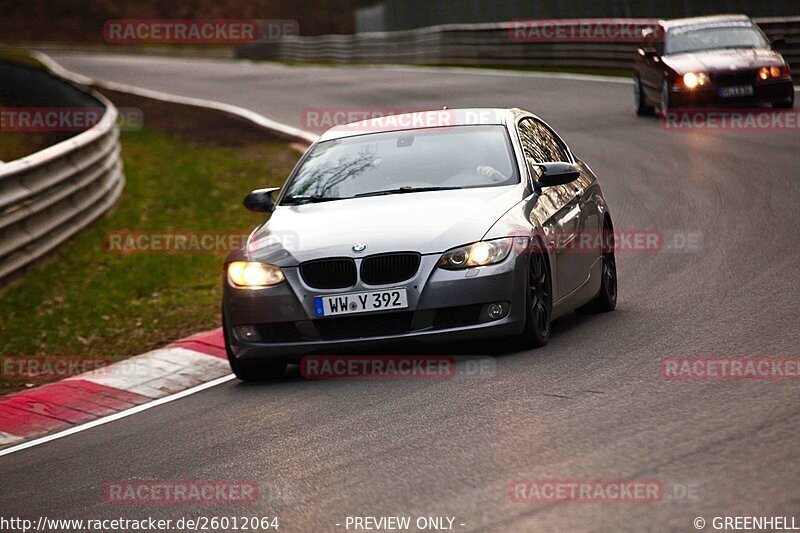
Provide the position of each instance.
(360, 302)
(738, 90)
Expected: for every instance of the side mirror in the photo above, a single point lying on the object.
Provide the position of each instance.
(556, 174)
(778, 41)
(649, 52)
(260, 200)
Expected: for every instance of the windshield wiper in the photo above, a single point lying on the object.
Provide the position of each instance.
(292, 200)
(403, 190)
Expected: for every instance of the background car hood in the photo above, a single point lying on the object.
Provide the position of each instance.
(722, 60)
(427, 222)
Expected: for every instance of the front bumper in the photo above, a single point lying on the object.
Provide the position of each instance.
(442, 306)
(764, 93)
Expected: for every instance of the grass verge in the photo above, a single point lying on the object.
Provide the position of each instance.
(187, 169)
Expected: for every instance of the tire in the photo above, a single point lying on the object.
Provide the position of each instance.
(251, 370)
(666, 100)
(639, 99)
(606, 299)
(538, 300)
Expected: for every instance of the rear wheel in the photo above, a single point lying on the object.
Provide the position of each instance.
(606, 299)
(639, 99)
(539, 309)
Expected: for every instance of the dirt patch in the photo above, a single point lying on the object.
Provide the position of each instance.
(195, 124)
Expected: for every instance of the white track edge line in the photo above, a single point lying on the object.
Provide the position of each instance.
(117, 416)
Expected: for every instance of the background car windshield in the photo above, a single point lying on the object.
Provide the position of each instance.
(459, 157)
(680, 41)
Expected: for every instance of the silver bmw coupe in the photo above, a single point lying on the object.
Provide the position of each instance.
(432, 226)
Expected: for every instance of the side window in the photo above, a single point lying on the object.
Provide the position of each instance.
(539, 144)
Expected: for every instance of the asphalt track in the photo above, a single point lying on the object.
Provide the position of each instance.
(590, 405)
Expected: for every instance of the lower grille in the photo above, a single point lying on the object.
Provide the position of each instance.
(742, 77)
(462, 315)
(279, 332)
(329, 273)
(352, 327)
(383, 269)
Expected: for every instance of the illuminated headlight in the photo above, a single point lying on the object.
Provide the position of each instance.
(693, 79)
(477, 254)
(766, 73)
(253, 275)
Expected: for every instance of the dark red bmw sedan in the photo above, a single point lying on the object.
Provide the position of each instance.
(723, 60)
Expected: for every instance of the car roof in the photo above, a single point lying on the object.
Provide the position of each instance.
(696, 21)
(425, 119)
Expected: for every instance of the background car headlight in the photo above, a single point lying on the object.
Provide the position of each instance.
(477, 254)
(252, 274)
(766, 73)
(693, 79)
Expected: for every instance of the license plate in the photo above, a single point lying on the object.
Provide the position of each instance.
(360, 302)
(739, 90)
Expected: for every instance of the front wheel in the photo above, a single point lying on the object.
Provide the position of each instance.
(639, 99)
(666, 99)
(539, 303)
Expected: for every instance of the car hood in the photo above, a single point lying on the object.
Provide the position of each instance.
(722, 60)
(426, 222)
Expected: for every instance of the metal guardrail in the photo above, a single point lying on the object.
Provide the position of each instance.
(488, 44)
(47, 197)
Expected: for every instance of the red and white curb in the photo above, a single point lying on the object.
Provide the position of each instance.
(130, 386)
(132, 382)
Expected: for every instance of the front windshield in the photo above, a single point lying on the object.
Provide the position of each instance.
(694, 39)
(404, 161)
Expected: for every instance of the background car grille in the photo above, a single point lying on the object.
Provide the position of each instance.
(329, 273)
(389, 268)
(740, 77)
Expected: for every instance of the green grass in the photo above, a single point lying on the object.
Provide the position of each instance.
(86, 301)
(15, 145)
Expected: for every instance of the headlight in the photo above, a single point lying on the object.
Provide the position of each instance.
(477, 254)
(766, 73)
(251, 274)
(693, 79)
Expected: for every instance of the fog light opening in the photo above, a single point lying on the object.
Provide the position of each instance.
(494, 311)
(247, 333)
